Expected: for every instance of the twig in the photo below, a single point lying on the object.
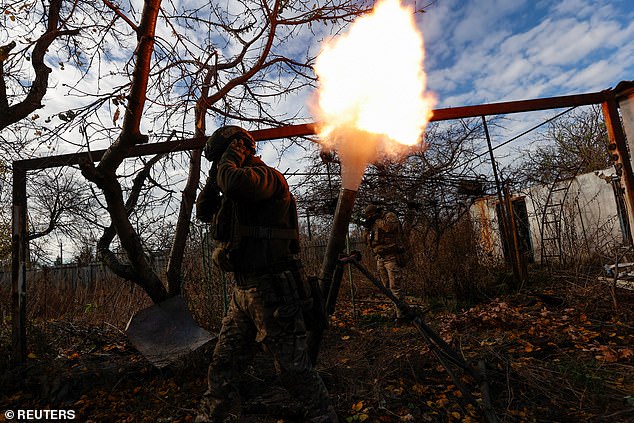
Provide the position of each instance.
(116, 10)
(116, 328)
(617, 413)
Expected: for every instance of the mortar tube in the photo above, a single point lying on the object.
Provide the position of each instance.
(337, 239)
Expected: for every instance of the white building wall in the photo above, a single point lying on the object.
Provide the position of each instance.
(587, 213)
(486, 224)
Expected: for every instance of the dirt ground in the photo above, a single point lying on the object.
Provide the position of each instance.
(556, 354)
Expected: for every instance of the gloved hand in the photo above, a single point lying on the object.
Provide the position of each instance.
(220, 257)
(236, 153)
(369, 222)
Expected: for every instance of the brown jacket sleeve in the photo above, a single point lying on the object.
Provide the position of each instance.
(252, 183)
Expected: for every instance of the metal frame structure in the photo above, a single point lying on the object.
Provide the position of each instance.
(607, 98)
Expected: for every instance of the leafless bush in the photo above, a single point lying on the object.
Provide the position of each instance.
(106, 299)
(446, 266)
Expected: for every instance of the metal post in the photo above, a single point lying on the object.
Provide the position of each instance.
(351, 279)
(337, 239)
(617, 137)
(519, 259)
(310, 234)
(504, 218)
(498, 188)
(19, 243)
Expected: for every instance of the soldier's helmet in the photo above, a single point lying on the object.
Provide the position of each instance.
(370, 211)
(218, 142)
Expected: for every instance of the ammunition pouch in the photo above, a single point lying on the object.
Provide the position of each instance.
(296, 293)
(286, 311)
(220, 257)
(223, 221)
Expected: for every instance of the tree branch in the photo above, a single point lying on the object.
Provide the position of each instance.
(257, 66)
(130, 133)
(119, 13)
(124, 270)
(177, 252)
(33, 99)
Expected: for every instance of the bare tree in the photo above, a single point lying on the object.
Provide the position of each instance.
(5, 222)
(574, 144)
(430, 190)
(238, 70)
(35, 36)
(168, 70)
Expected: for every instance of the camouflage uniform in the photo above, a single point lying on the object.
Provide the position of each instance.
(257, 227)
(384, 238)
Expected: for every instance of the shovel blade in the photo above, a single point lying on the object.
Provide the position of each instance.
(166, 332)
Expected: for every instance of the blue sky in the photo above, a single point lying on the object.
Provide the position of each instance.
(480, 51)
(477, 51)
(485, 51)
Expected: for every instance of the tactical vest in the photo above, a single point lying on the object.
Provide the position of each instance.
(234, 234)
(385, 242)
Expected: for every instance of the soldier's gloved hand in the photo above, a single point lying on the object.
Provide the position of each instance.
(236, 153)
(221, 259)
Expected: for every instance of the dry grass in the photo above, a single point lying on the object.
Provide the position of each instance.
(370, 366)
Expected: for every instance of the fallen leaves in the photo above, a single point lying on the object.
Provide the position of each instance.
(359, 413)
(545, 363)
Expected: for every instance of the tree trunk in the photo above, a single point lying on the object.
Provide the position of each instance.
(104, 175)
(144, 275)
(175, 264)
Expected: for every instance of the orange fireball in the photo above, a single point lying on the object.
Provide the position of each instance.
(372, 87)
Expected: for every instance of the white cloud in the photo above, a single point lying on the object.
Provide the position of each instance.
(578, 8)
(597, 76)
(472, 55)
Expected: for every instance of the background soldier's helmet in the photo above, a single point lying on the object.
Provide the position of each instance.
(218, 142)
(370, 211)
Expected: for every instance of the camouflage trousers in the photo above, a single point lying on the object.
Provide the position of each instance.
(257, 314)
(390, 273)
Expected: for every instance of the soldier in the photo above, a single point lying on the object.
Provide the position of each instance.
(384, 237)
(254, 220)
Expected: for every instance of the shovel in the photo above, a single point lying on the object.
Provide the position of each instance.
(166, 332)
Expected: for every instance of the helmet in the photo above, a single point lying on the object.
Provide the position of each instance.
(218, 142)
(370, 211)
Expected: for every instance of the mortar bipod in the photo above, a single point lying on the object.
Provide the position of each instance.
(443, 352)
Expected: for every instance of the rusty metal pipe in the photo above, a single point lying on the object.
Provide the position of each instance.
(336, 242)
(328, 286)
